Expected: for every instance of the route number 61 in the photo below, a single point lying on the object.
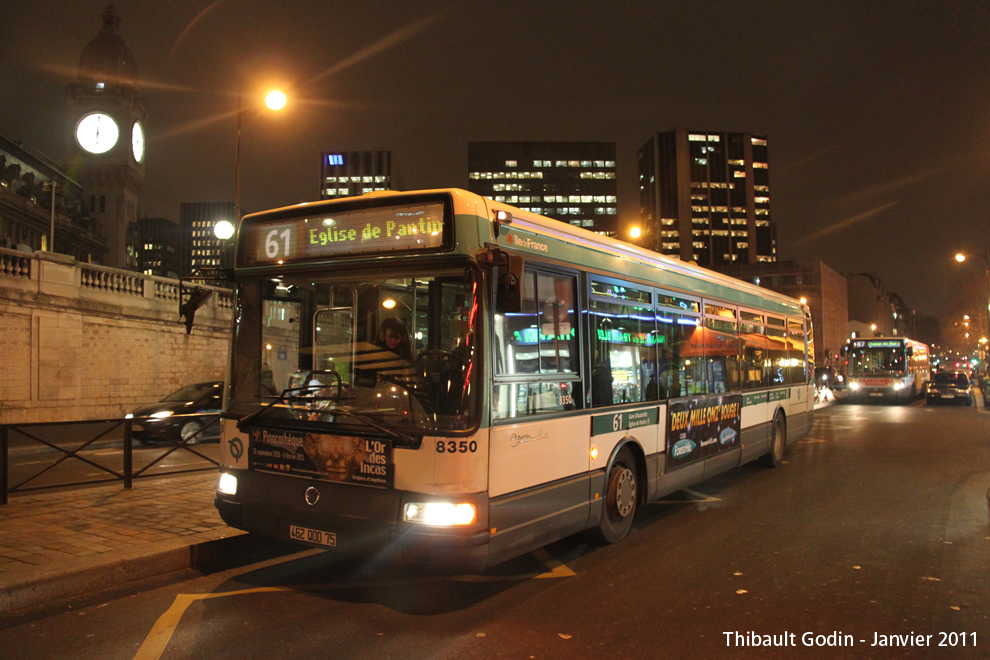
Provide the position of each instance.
(272, 246)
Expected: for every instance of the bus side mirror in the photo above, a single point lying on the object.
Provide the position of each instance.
(187, 309)
(909, 351)
(509, 294)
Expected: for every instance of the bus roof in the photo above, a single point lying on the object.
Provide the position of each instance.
(466, 202)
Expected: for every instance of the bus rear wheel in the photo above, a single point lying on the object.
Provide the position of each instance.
(778, 440)
(621, 498)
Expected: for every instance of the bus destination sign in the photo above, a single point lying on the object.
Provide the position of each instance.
(376, 230)
(878, 343)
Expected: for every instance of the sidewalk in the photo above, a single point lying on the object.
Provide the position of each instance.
(63, 544)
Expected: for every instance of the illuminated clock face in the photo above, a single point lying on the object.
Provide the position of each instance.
(97, 133)
(137, 141)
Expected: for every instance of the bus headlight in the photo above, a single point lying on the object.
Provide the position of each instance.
(898, 386)
(228, 484)
(854, 386)
(440, 514)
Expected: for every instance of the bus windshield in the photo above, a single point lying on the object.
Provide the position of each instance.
(876, 361)
(372, 352)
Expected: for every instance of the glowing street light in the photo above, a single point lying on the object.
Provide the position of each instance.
(223, 229)
(635, 232)
(274, 100)
(961, 257)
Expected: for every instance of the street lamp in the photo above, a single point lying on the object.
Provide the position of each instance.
(275, 100)
(961, 257)
(223, 230)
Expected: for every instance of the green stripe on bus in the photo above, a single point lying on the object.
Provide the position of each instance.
(780, 395)
(766, 397)
(624, 421)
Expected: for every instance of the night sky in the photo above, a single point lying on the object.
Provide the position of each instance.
(877, 113)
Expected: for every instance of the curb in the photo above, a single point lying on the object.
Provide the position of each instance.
(48, 587)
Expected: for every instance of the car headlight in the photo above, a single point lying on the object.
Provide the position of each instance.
(440, 514)
(162, 414)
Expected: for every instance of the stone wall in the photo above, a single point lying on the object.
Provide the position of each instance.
(79, 341)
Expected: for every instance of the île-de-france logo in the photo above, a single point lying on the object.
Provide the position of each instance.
(528, 243)
(236, 448)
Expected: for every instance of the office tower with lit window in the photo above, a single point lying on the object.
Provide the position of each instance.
(200, 246)
(705, 197)
(353, 173)
(158, 247)
(573, 182)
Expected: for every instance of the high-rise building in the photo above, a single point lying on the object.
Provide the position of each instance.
(159, 247)
(353, 173)
(106, 130)
(573, 182)
(200, 246)
(705, 197)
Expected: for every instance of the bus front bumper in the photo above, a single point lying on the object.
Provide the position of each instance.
(351, 521)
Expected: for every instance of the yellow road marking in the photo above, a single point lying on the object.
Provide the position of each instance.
(557, 568)
(696, 498)
(161, 633)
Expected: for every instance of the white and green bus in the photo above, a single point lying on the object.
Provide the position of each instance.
(458, 381)
(893, 369)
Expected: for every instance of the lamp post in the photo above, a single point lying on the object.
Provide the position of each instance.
(961, 257)
(223, 230)
(275, 100)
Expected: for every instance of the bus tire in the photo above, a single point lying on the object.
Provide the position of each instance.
(778, 441)
(621, 498)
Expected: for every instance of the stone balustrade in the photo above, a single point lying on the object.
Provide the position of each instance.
(81, 341)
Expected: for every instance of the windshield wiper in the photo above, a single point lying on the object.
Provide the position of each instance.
(291, 394)
(399, 437)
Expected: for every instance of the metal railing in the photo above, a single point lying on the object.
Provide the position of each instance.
(31, 454)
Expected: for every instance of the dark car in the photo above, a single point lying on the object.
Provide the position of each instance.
(952, 387)
(192, 410)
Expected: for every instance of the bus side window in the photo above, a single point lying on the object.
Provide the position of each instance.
(798, 371)
(722, 355)
(623, 354)
(777, 341)
(754, 355)
(537, 361)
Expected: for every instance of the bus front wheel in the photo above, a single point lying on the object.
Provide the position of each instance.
(621, 497)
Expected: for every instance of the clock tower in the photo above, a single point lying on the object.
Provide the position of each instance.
(107, 138)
